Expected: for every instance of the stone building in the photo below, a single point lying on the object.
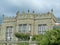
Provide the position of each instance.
(26, 23)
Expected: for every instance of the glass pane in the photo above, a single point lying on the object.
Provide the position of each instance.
(10, 29)
(42, 28)
(24, 27)
(9, 33)
(20, 27)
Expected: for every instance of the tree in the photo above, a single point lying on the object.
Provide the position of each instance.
(51, 37)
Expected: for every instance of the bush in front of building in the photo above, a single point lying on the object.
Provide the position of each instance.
(22, 36)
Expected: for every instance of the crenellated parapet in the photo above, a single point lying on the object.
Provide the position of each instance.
(9, 19)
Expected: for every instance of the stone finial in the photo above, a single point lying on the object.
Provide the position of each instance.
(3, 15)
(28, 11)
(48, 12)
(51, 10)
(17, 12)
(33, 11)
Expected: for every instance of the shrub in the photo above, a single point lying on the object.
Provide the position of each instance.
(22, 36)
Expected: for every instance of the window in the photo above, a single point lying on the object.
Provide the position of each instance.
(9, 31)
(22, 27)
(42, 28)
(25, 28)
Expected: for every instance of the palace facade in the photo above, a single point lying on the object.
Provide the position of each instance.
(26, 23)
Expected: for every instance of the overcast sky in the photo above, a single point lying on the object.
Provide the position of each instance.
(10, 7)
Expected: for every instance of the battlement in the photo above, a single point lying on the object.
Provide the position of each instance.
(9, 19)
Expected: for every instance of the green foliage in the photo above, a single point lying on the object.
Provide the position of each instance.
(37, 37)
(22, 36)
(51, 37)
(34, 37)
